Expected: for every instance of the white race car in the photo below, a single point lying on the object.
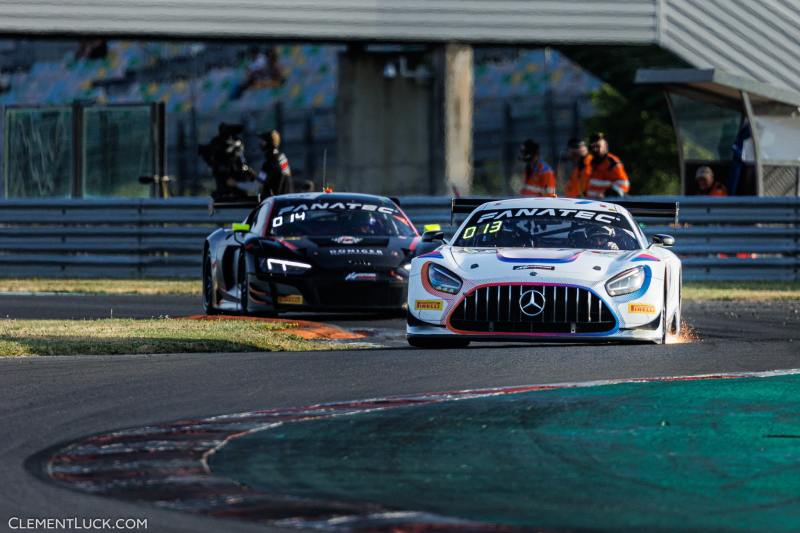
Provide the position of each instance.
(552, 269)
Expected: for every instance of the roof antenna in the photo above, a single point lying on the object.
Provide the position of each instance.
(325, 170)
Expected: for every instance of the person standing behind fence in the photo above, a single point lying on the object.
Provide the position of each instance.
(707, 185)
(607, 176)
(224, 154)
(275, 175)
(540, 180)
(581, 165)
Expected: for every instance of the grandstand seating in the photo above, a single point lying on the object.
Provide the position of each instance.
(165, 71)
(207, 78)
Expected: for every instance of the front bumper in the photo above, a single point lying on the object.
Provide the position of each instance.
(326, 291)
(440, 332)
(568, 313)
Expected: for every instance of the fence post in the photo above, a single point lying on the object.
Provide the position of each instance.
(3, 151)
(77, 150)
(797, 181)
(139, 237)
(159, 115)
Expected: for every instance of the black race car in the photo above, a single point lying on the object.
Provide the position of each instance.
(312, 251)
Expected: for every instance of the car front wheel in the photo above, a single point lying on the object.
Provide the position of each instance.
(244, 288)
(208, 287)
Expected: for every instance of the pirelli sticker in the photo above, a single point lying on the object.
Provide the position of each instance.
(291, 299)
(642, 309)
(429, 305)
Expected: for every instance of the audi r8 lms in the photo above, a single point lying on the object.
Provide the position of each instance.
(313, 251)
(547, 269)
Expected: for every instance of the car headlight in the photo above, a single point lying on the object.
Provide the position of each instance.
(443, 280)
(283, 266)
(407, 267)
(626, 282)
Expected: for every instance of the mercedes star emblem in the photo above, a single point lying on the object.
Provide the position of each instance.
(532, 302)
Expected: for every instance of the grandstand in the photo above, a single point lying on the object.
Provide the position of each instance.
(202, 84)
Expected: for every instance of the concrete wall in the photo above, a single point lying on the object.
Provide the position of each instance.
(458, 90)
(407, 134)
(384, 126)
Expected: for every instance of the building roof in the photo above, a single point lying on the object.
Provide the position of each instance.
(717, 86)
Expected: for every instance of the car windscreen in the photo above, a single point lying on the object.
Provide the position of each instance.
(547, 228)
(336, 218)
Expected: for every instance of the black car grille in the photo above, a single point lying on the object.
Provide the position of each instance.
(361, 295)
(496, 309)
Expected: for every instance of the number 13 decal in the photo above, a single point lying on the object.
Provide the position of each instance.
(494, 227)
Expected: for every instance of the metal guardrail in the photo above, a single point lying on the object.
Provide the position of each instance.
(739, 238)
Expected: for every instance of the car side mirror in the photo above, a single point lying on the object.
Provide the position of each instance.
(433, 235)
(240, 228)
(667, 241)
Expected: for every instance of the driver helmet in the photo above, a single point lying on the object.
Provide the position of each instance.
(360, 224)
(602, 238)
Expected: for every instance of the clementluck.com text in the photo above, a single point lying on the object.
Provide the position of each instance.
(76, 524)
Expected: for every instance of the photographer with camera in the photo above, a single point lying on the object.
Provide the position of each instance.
(224, 154)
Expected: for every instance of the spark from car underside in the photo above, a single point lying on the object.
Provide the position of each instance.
(688, 334)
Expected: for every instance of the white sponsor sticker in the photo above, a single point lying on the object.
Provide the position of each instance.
(356, 251)
(605, 218)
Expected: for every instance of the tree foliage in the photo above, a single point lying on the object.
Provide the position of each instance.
(634, 118)
(642, 138)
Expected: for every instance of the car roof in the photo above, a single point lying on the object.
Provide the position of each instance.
(554, 203)
(333, 197)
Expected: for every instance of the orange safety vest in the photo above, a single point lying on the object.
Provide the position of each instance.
(607, 173)
(578, 178)
(540, 180)
(718, 189)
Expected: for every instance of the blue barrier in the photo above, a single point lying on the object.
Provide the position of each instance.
(739, 238)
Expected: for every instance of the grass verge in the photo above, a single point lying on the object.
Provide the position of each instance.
(147, 287)
(697, 290)
(161, 335)
(734, 290)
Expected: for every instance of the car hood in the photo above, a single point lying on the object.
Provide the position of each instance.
(555, 264)
(367, 253)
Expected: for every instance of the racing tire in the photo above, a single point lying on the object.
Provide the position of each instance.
(244, 288)
(208, 287)
(676, 318)
(400, 312)
(427, 343)
(664, 324)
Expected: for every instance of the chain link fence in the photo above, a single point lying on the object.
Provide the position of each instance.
(780, 180)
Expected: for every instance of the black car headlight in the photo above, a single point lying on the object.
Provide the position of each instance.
(443, 280)
(284, 266)
(626, 282)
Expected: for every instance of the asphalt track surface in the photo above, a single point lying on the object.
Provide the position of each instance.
(49, 400)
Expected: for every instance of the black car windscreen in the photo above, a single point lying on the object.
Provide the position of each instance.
(335, 218)
(547, 228)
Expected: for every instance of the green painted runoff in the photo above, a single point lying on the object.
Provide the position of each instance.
(710, 454)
